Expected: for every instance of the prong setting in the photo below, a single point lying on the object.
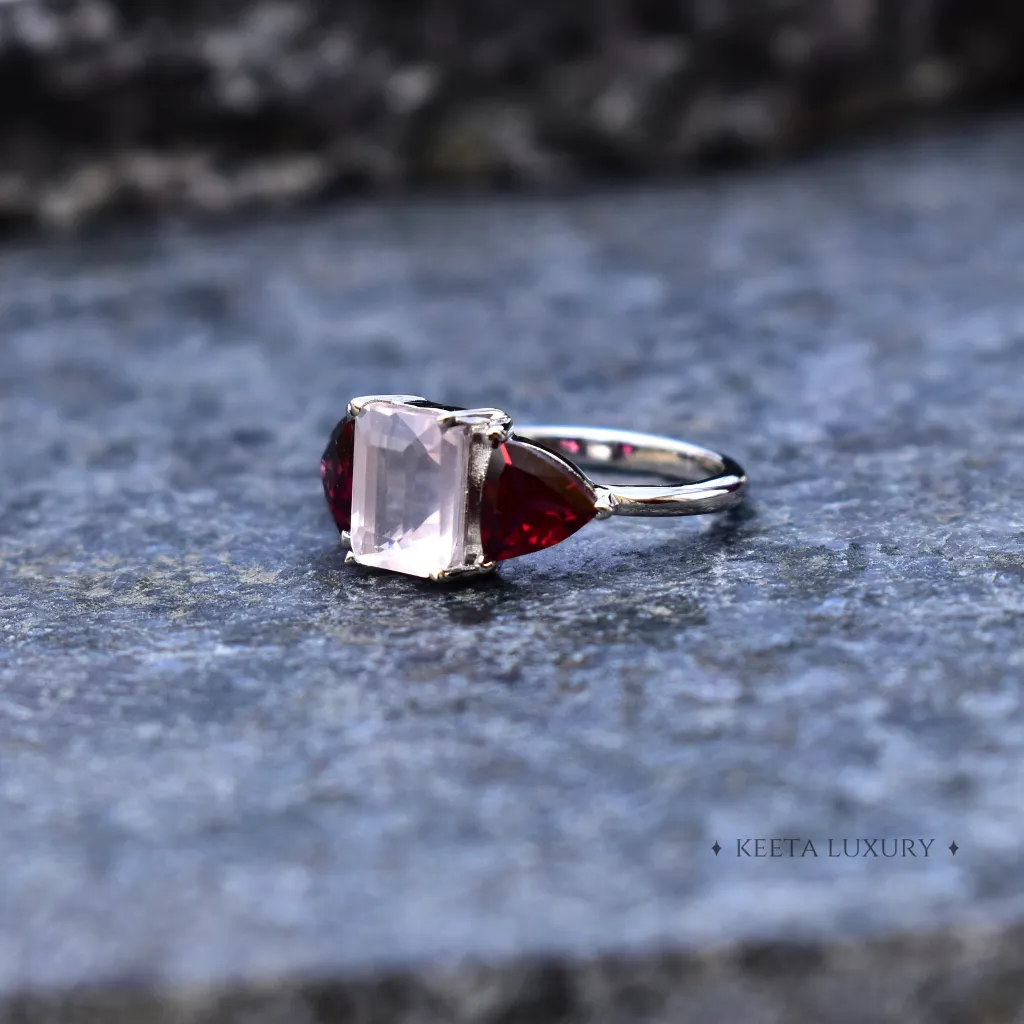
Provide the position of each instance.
(464, 572)
(356, 405)
(604, 501)
(498, 434)
(494, 424)
(488, 429)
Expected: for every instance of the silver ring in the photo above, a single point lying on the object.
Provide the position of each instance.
(444, 493)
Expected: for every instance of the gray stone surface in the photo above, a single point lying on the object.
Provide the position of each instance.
(239, 781)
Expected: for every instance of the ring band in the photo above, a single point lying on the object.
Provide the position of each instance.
(705, 481)
(439, 492)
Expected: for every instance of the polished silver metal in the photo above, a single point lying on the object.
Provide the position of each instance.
(697, 480)
(493, 423)
(356, 405)
(704, 480)
(488, 428)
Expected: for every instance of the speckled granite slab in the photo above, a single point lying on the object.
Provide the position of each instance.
(239, 781)
(214, 105)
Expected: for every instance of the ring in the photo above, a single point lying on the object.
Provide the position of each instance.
(444, 493)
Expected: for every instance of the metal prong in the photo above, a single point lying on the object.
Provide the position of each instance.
(355, 406)
(464, 572)
(493, 423)
(605, 501)
(350, 559)
(346, 539)
(498, 434)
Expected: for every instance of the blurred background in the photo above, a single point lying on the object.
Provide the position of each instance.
(147, 105)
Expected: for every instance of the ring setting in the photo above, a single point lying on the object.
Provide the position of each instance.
(445, 493)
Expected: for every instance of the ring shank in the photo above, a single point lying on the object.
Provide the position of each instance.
(702, 480)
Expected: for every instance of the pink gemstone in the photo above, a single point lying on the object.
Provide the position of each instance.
(531, 501)
(336, 472)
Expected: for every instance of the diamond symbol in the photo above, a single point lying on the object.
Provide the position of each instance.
(953, 847)
(716, 848)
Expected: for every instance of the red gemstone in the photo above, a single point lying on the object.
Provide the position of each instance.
(336, 472)
(531, 501)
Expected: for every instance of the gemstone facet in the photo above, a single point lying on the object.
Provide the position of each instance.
(336, 472)
(409, 482)
(531, 501)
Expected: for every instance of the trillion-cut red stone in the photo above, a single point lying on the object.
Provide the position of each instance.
(531, 501)
(336, 472)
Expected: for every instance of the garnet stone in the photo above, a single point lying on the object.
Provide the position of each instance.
(336, 472)
(531, 501)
